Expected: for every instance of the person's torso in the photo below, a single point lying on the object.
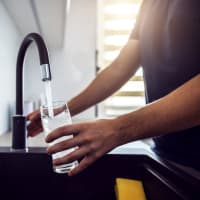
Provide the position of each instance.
(170, 56)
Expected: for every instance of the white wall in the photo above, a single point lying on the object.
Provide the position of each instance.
(9, 44)
(73, 67)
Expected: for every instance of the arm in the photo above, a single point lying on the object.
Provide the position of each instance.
(109, 80)
(178, 110)
(103, 86)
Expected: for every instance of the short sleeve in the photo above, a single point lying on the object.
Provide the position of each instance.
(135, 33)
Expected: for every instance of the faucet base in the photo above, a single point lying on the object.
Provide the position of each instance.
(19, 132)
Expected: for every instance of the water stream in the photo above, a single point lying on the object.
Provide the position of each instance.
(48, 98)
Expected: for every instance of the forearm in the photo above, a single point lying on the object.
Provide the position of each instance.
(100, 88)
(177, 111)
(109, 80)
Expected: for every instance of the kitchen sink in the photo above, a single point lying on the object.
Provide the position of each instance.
(30, 174)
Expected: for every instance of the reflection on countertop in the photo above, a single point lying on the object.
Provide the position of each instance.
(38, 141)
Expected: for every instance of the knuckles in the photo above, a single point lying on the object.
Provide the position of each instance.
(86, 138)
(92, 148)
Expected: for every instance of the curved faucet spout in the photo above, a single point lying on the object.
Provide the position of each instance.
(19, 121)
(44, 62)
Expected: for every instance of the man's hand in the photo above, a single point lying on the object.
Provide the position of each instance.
(93, 140)
(35, 126)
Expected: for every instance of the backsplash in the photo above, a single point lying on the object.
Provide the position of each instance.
(9, 40)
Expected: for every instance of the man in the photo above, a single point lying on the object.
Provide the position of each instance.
(166, 43)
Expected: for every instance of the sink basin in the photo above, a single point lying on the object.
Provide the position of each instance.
(31, 174)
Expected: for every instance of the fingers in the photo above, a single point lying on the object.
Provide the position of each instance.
(89, 137)
(35, 132)
(84, 151)
(34, 127)
(75, 155)
(87, 160)
(66, 144)
(34, 115)
(64, 131)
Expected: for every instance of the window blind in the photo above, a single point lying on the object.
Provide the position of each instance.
(116, 21)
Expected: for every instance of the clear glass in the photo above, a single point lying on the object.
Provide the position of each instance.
(61, 117)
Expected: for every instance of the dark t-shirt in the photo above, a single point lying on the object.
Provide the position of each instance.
(169, 34)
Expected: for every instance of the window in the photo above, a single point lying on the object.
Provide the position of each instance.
(116, 20)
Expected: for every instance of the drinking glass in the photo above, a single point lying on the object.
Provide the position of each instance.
(61, 117)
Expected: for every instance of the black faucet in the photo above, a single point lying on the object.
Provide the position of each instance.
(19, 121)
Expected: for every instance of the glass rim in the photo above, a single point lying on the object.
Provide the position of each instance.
(55, 104)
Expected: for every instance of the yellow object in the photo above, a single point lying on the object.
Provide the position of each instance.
(127, 189)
